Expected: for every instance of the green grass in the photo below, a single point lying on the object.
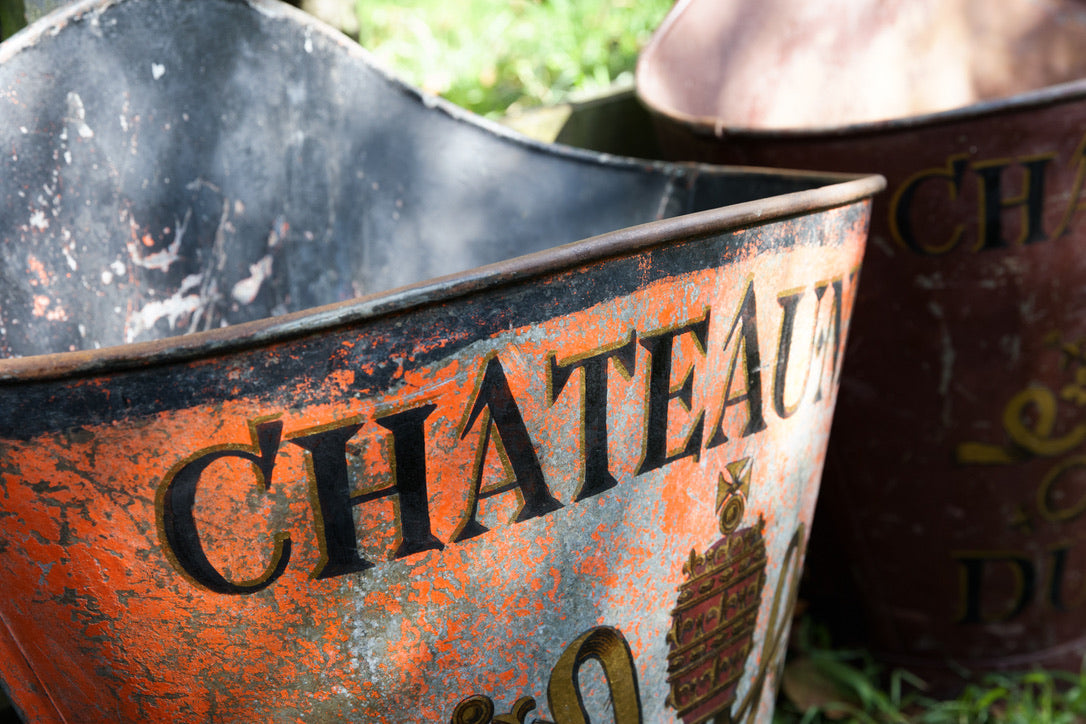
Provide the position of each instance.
(823, 685)
(12, 17)
(498, 56)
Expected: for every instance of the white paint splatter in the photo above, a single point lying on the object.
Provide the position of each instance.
(245, 291)
(278, 231)
(164, 258)
(192, 281)
(171, 309)
(947, 358)
(39, 221)
(935, 281)
(77, 114)
(180, 304)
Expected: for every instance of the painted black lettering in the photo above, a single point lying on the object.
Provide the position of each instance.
(409, 471)
(993, 202)
(789, 304)
(828, 335)
(330, 486)
(1075, 201)
(974, 579)
(1056, 593)
(746, 342)
(177, 522)
(660, 349)
(597, 475)
(901, 224)
(503, 416)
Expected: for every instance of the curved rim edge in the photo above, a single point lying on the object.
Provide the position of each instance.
(715, 127)
(57, 20)
(840, 190)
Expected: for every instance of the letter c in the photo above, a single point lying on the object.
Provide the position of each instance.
(901, 225)
(177, 525)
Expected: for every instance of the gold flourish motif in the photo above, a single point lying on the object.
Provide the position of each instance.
(603, 644)
(479, 709)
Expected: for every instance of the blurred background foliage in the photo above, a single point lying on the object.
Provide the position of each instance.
(492, 57)
(498, 56)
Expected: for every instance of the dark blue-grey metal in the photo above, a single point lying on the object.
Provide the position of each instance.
(165, 132)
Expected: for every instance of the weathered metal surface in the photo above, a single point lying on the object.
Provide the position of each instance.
(583, 474)
(955, 473)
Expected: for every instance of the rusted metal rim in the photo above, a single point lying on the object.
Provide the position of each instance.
(841, 189)
(829, 190)
(711, 126)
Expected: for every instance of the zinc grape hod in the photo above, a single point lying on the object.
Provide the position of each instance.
(955, 468)
(326, 400)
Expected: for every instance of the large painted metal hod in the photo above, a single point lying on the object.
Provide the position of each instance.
(324, 401)
(954, 485)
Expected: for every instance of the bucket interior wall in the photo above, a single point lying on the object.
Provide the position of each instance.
(791, 64)
(152, 186)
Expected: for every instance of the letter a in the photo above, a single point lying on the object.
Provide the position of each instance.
(746, 342)
(504, 417)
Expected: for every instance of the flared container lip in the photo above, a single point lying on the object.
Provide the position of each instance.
(712, 125)
(828, 190)
(840, 190)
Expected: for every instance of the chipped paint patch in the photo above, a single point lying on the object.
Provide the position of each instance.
(38, 221)
(163, 259)
(77, 115)
(245, 291)
(180, 305)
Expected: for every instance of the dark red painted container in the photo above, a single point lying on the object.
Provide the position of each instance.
(956, 482)
(465, 427)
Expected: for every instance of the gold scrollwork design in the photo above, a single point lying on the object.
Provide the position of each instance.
(602, 643)
(1030, 419)
(702, 694)
(607, 646)
(479, 709)
(731, 497)
(780, 617)
(1045, 504)
(1037, 438)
